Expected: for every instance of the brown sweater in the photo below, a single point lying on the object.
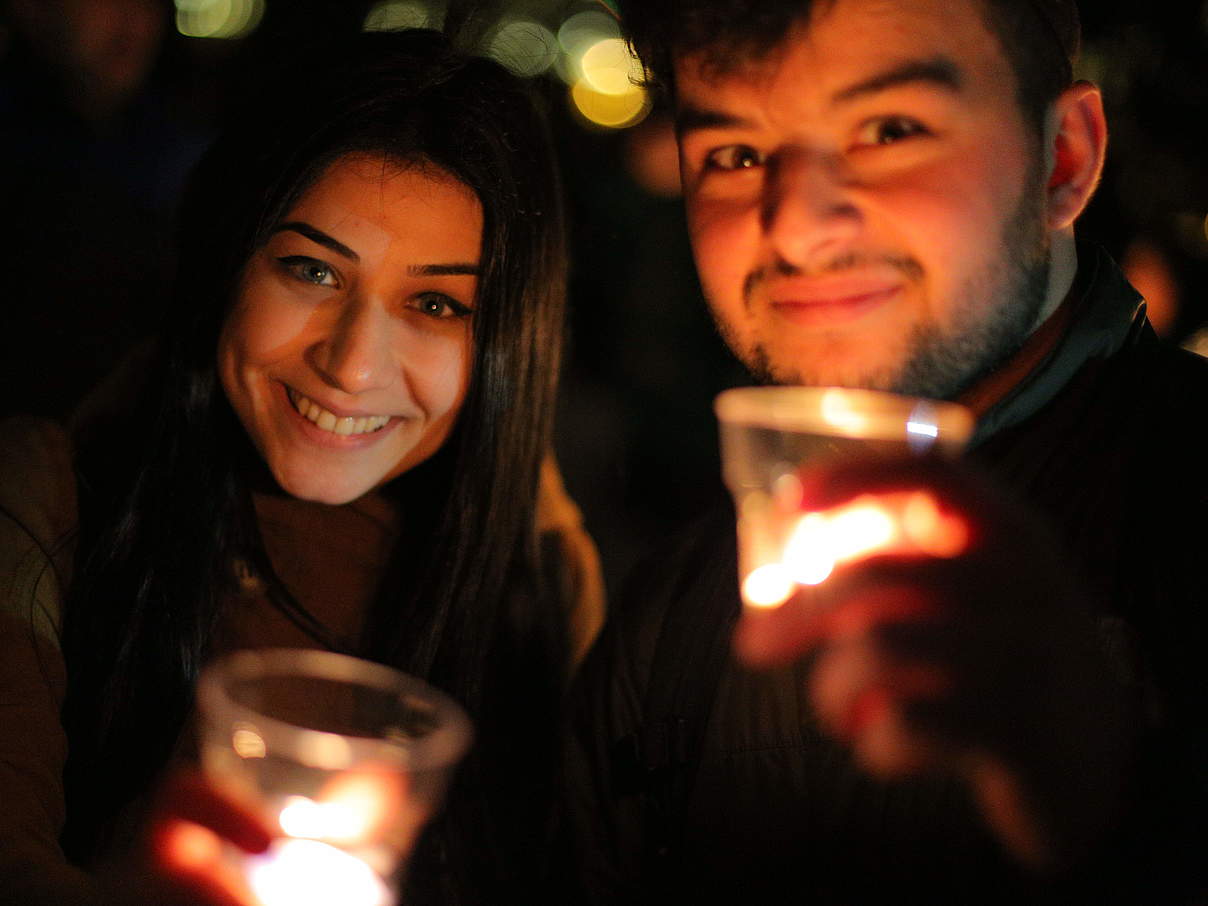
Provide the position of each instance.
(329, 557)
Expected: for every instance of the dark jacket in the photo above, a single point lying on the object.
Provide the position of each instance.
(1108, 440)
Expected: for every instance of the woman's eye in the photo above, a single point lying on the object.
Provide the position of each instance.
(888, 130)
(734, 157)
(438, 305)
(310, 270)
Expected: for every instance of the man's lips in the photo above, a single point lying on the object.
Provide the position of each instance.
(830, 301)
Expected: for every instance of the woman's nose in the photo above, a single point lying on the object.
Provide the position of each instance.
(808, 213)
(356, 355)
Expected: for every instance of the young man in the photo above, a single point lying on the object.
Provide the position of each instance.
(882, 194)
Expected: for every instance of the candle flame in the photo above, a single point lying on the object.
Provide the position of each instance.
(352, 807)
(767, 586)
(906, 522)
(342, 821)
(309, 873)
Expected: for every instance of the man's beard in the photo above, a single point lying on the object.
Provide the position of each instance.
(997, 310)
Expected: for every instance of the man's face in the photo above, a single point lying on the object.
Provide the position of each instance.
(866, 204)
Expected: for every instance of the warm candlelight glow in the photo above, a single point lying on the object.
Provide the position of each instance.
(310, 873)
(302, 817)
(352, 807)
(809, 555)
(769, 585)
(838, 410)
(903, 523)
(860, 528)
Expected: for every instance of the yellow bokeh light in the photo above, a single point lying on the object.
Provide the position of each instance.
(583, 29)
(218, 18)
(610, 68)
(576, 35)
(613, 111)
(526, 48)
(767, 586)
(390, 15)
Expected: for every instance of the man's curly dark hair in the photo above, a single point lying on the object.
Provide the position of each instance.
(1040, 38)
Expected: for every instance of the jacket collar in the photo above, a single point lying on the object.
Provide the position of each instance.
(1108, 315)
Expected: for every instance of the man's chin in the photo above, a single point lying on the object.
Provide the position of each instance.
(789, 371)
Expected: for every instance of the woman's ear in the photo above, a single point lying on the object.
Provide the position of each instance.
(1075, 144)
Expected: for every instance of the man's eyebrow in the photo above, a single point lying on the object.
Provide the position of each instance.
(443, 270)
(691, 118)
(940, 71)
(318, 236)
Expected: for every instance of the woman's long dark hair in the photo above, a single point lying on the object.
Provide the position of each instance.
(166, 512)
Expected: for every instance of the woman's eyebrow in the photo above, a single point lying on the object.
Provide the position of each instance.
(443, 270)
(316, 235)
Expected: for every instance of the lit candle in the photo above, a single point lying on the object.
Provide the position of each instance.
(311, 873)
(902, 523)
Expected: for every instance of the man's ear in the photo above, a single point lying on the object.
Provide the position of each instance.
(1075, 144)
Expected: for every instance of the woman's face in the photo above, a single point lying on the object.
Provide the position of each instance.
(348, 350)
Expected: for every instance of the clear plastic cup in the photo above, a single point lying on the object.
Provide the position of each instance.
(769, 433)
(348, 758)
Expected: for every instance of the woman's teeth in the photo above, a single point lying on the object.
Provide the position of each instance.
(329, 421)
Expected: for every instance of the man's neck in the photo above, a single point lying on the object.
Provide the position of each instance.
(1046, 332)
(1063, 267)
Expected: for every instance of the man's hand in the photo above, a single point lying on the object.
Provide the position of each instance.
(976, 655)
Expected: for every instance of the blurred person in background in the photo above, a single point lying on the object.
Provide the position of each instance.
(94, 149)
(884, 195)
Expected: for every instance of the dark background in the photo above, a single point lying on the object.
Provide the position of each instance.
(104, 105)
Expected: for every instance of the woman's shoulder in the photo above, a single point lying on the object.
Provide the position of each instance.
(38, 514)
(559, 517)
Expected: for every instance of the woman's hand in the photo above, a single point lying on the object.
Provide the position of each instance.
(183, 863)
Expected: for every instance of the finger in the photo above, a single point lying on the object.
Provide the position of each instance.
(847, 605)
(832, 482)
(1006, 810)
(763, 638)
(189, 796)
(861, 697)
(189, 865)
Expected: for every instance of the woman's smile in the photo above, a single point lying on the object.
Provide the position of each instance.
(326, 420)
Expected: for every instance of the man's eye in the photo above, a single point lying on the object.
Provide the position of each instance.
(438, 305)
(310, 270)
(888, 130)
(734, 157)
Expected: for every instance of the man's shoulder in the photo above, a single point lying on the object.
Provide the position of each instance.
(697, 559)
(678, 600)
(1169, 389)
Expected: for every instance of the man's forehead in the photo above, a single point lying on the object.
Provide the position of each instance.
(843, 42)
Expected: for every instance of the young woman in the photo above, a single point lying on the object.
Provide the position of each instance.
(340, 445)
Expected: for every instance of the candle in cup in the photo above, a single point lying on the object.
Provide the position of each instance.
(903, 522)
(311, 873)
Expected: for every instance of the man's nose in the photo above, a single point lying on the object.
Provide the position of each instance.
(809, 213)
(357, 353)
